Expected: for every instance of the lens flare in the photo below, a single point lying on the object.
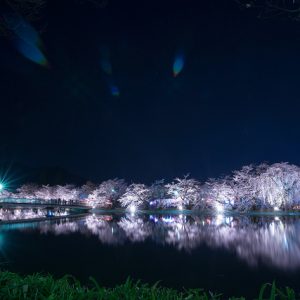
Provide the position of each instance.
(27, 39)
(22, 29)
(106, 66)
(178, 65)
(115, 91)
(32, 53)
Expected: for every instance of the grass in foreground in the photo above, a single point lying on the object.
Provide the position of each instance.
(37, 286)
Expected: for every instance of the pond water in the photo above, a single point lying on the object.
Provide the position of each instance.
(229, 254)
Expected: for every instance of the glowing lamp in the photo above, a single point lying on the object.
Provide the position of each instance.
(219, 208)
(276, 208)
(180, 207)
(132, 209)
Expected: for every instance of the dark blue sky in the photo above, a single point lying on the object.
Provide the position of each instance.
(235, 102)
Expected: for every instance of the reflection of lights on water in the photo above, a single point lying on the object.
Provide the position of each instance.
(153, 218)
(275, 242)
(1, 241)
(168, 219)
(277, 219)
(179, 226)
(23, 214)
(228, 220)
(219, 219)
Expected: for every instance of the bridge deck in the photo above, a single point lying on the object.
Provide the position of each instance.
(42, 205)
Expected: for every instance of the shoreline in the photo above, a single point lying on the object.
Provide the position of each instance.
(155, 212)
(39, 286)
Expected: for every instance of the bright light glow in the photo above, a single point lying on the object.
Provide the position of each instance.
(219, 208)
(276, 208)
(180, 207)
(1, 186)
(219, 220)
(132, 209)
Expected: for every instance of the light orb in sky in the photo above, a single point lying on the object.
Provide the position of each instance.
(1, 186)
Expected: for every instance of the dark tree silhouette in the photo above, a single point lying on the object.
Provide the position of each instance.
(273, 8)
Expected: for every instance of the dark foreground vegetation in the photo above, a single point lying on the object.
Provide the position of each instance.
(37, 286)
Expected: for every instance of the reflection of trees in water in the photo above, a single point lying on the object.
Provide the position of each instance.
(274, 243)
(107, 231)
(272, 240)
(59, 227)
(135, 228)
(11, 214)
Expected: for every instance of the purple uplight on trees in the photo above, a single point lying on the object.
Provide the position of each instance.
(263, 187)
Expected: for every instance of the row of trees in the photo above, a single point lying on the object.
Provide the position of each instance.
(264, 186)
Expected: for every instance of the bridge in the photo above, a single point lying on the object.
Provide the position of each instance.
(36, 203)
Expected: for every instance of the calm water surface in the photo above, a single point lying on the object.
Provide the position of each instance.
(231, 254)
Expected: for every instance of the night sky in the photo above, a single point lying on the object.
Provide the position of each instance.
(235, 102)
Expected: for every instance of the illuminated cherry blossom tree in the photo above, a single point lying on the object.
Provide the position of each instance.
(158, 195)
(184, 191)
(45, 192)
(279, 185)
(136, 196)
(107, 193)
(5, 194)
(66, 193)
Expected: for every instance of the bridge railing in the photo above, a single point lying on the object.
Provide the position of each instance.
(45, 202)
